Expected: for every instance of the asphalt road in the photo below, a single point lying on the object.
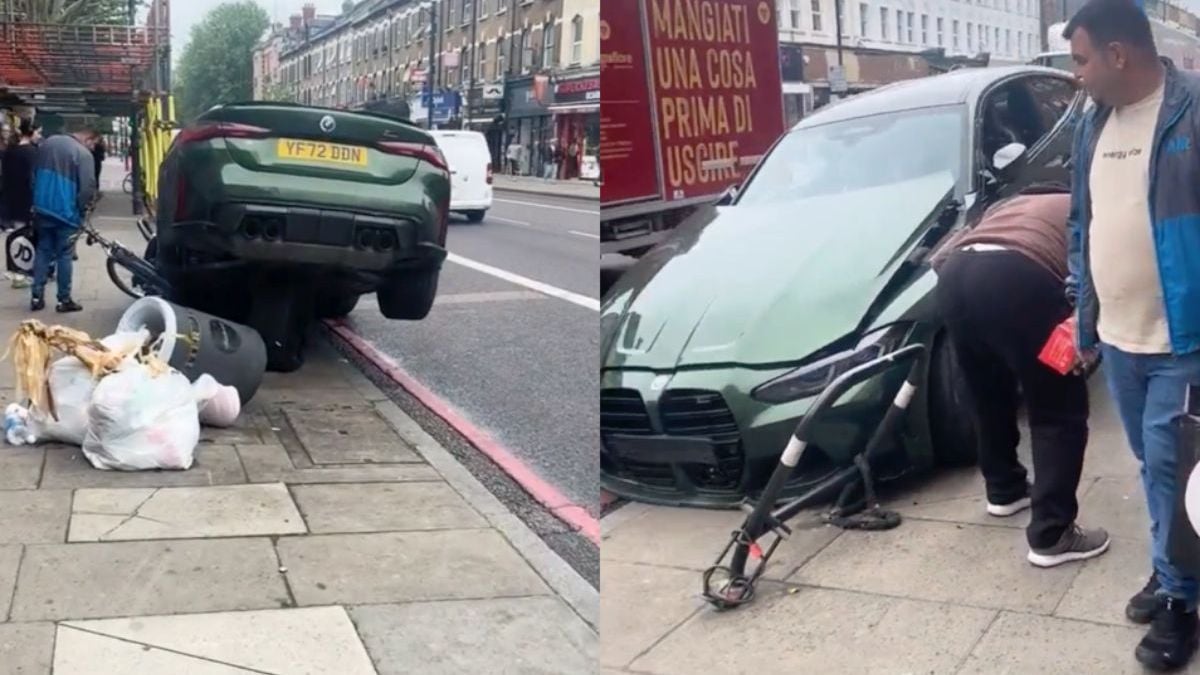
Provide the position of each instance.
(513, 341)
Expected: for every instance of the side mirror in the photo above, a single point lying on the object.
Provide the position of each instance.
(1007, 155)
(727, 198)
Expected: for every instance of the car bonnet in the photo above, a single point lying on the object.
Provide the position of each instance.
(766, 284)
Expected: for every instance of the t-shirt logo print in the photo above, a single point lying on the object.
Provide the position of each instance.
(1179, 144)
(1122, 154)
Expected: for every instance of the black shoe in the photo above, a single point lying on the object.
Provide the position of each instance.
(1144, 605)
(37, 305)
(68, 306)
(1171, 640)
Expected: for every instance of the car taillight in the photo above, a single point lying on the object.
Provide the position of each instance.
(426, 153)
(209, 131)
(489, 174)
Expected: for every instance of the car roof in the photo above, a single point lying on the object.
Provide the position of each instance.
(955, 87)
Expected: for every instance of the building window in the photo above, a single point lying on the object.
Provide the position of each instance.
(863, 15)
(481, 59)
(970, 38)
(1008, 41)
(500, 55)
(577, 39)
(548, 44)
(527, 51)
(954, 35)
(910, 29)
(996, 41)
(816, 15)
(983, 43)
(467, 8)
(899, 25)
(883, 24)
(795, 15)
(925, 29)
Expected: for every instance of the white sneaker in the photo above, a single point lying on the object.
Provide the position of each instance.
(1006, 510)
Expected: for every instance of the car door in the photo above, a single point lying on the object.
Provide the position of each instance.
(1060, 103)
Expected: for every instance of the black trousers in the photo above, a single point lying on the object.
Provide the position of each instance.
(1000, 308)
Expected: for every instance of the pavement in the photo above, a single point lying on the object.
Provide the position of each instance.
(948, 591)
(327, 532)
(575, 189)
(512, 343)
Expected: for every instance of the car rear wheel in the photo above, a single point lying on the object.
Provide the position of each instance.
(408, 296)
(336, 306)
(476, 216)
(282, 314)
(953, 413)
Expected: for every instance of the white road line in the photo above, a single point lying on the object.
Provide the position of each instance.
(589, 235)
(547, 206)
(545, 289)
(510, 221)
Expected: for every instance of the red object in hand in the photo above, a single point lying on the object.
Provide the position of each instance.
(1059, 351)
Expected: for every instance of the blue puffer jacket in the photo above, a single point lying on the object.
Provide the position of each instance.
(64, 176)
(1174, 213)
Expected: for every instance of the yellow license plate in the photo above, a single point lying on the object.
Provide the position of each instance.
(313, 151)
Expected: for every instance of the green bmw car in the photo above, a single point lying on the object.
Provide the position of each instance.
(276, 214)
(716, 343)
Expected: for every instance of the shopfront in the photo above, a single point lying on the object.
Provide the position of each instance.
(576, 111)
(447, 108)
(530, 123)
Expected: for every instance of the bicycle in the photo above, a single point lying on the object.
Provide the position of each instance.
(145, 278)
(127, 183)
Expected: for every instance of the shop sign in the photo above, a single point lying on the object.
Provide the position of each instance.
(485, 103)
(530, 98)
(577, 91)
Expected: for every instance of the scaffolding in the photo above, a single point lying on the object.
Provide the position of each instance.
(102, 70)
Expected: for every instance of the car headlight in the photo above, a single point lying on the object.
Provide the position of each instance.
(811, 379)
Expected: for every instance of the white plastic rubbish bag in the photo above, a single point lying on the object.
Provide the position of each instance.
(219, 404)
(137, 421)
(71, 387)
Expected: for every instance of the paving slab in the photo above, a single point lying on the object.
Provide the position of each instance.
(85, 581)
(347, 434)
(78, 652)
(26, 648)
(300, 641)
(184, 513)
(526, 636)
(972, 508)
(942, 562)
(639, 604)
(380, 507)
(271, 463)
(1017, 644)
(1119, 506)
(1103, 585)
(214, 465)
(34, 516)
(697, 536)
(21, 467)
(405, 567)
(810, 630)
(10, 563)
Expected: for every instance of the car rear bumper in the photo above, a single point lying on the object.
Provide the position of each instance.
(470, 204)
(299, 236)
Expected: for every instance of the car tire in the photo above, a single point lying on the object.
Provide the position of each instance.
(408, 296)
(282, 317)
(336, 306)
(953, 413)
(476, 216)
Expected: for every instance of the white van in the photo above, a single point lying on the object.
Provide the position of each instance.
(470, 171)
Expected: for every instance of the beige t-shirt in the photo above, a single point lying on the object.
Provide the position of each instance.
(1124, 263)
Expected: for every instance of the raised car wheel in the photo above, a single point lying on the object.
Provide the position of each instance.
(475, 216)
(408, 296)
(336, 306)
(953, 416)
(282, 317)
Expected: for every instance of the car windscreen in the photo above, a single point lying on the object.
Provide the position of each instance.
(861, 153)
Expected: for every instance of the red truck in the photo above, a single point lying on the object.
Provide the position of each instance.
(693, 100)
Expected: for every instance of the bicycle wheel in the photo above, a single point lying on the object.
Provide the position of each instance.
(124, 280)
(127, 184)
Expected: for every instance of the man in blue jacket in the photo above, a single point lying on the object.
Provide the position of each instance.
(1135, 274)
(64, 187)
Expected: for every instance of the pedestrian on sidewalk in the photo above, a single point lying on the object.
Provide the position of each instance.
(16, 195)
(99, 152)
(64, 189)
(999, 291)
(1135, 268)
